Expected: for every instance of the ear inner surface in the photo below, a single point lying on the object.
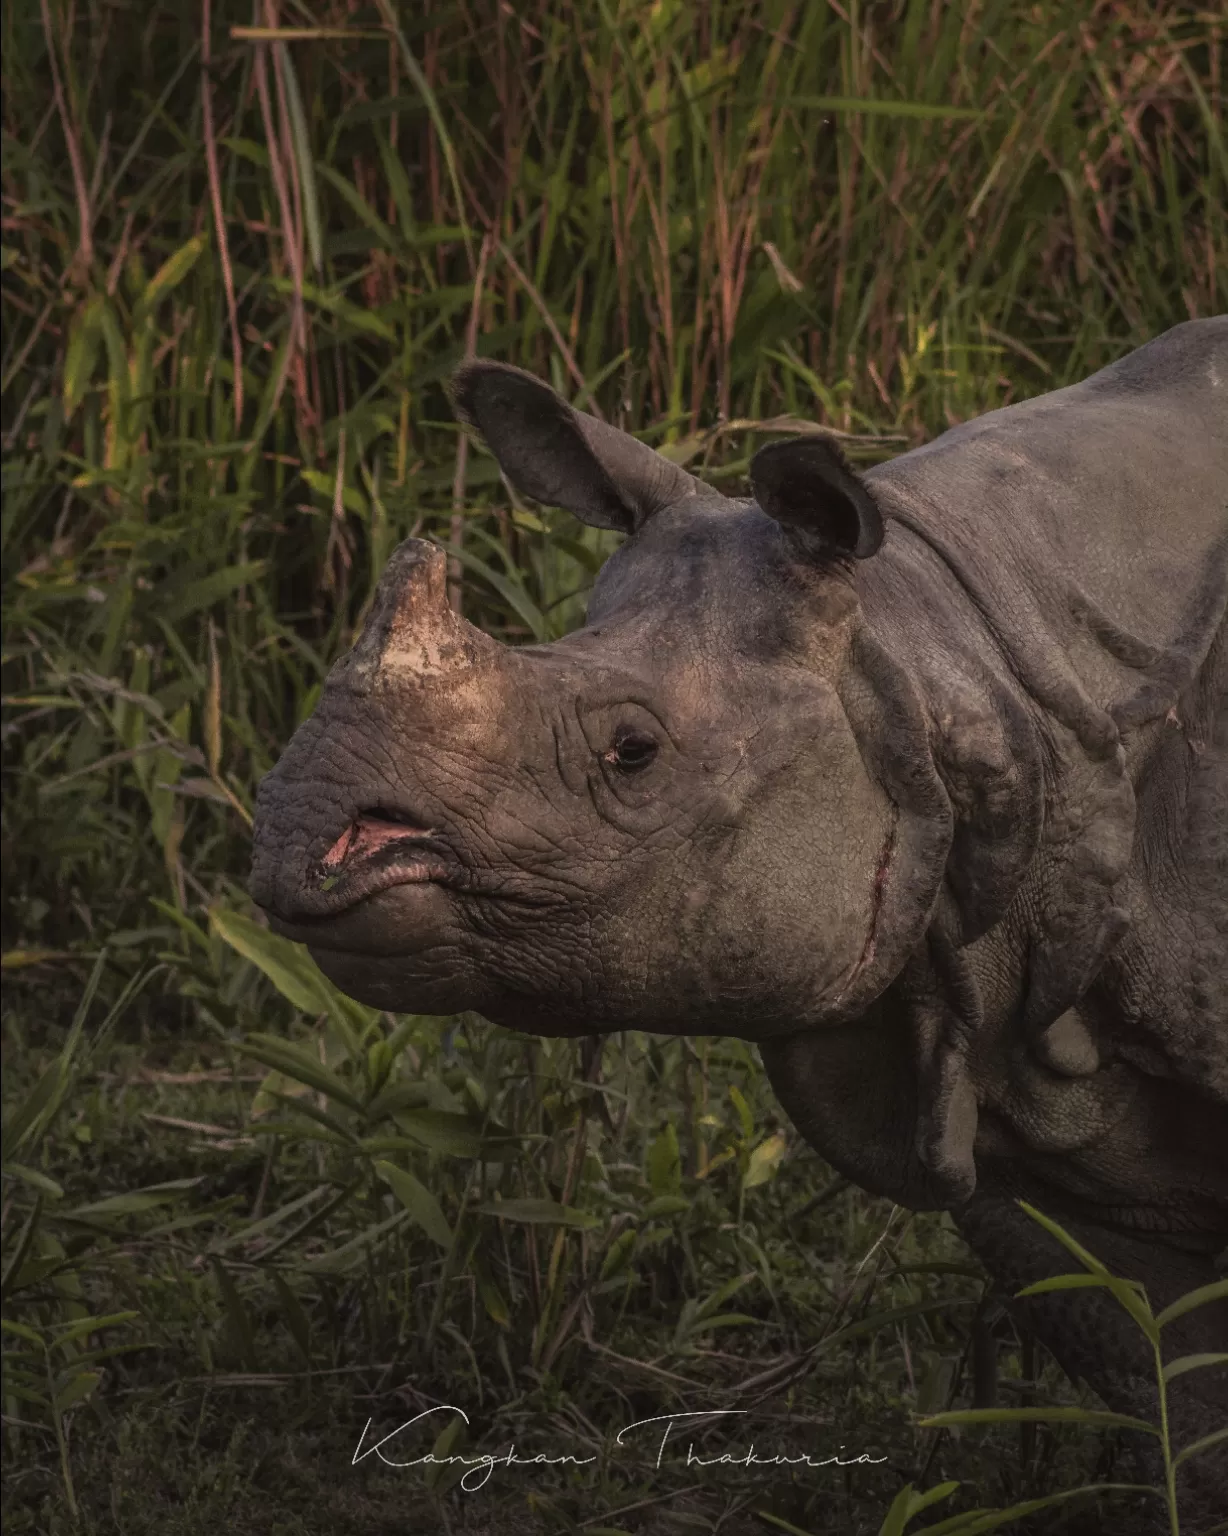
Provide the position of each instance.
(809, 487)
(539, 445)
(564, 457)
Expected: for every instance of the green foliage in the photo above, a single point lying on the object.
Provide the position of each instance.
(1131, 1296)
(238, 266)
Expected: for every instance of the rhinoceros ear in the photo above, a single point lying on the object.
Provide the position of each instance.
(808, 486)
(564, 457)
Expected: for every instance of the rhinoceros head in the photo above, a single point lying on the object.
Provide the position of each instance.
(680, 818)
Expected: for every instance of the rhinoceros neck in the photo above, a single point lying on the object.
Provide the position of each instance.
(986, 739)
(1047, 691)
(1042, 801)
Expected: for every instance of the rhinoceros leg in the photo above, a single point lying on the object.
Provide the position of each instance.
(1093, 1338)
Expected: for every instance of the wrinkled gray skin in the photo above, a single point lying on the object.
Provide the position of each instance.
(918, 778)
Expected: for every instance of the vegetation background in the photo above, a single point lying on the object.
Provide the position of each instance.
(242, 249)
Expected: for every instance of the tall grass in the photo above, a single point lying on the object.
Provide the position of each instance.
(242, 249)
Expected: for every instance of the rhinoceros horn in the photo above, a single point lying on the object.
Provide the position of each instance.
(410, 628)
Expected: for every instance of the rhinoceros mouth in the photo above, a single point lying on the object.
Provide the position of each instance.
(380, 849)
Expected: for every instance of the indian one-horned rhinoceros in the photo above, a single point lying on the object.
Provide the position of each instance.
(918, 778)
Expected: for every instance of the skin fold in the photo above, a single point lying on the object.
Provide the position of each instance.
(918, 778)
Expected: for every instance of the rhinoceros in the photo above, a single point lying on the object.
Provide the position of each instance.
(916, 777)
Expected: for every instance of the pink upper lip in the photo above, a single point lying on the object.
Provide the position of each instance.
(367, 835)
(377, 851)
(411, 855)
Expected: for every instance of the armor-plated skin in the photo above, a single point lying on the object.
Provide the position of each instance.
(918, 778)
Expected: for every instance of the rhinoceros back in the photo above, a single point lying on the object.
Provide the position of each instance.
(1095, 517)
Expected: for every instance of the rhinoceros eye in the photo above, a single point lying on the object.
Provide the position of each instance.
(632, 750)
